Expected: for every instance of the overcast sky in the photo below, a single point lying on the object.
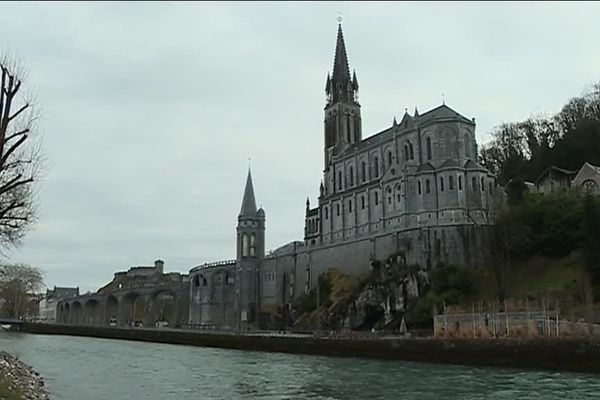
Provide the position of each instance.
(151, 110)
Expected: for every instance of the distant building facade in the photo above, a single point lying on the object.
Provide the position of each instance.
(554, 179)
(49, 302)
(413, 189)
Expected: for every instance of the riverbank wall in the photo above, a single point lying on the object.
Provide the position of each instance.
(19, 381)
(576, 355)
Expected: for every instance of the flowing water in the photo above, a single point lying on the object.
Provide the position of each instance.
(77, 368)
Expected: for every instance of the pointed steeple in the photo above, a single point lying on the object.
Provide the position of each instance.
(416, 112)
(248, 202)
(341, 71)
(354, 80)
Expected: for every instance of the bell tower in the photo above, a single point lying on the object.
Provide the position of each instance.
(342, 110)
(250, 253)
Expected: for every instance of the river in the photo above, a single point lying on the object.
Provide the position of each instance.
(77, 368)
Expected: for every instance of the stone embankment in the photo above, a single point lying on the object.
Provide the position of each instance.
(21, 378)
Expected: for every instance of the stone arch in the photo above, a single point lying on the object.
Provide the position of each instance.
(67, 315)
(132, 309)
(111, 310)
(164, 307)
(91, 312)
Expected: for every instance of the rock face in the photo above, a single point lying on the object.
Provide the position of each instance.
(377, 301)
(22, 378)
(391, 290)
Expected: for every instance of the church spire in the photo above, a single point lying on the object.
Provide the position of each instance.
(248, 202)
(341, 71)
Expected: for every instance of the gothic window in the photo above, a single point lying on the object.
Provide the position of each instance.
(245, 245)
(399, 193)
(427, 186)
(351, 176)
(460, 183)
(429, 148)
(364, 172)
(419, 184)
(338, 209)
(376, 198)
(252, 245)
(467, 146)
(389, 155)
(349, 205)
(339, 180)
(451, 182)
(362, 202)
(326, 212)
(474, 182)
(590, 186)
(412, 152)
(406, 154)
(376, 167)
(482, 185)
(441, 183)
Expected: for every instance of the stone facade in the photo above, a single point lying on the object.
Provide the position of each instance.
(49, 302)
(554, 178)
(414, 189)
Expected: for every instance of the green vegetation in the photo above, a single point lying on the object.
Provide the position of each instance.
(7, 392)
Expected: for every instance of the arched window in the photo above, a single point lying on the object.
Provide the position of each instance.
(376, 167)
(427, 186)
(482, 185)
(406, 153)
(429, 148)
(245, 245)
(351, 176)
(412, 151)
(399, 193)
(349, 205)
(364, 171)
(362, 202)
(338, 209)
(467, 146)
(451, 182)
(252, 245)
(474, 182)
(389, 156)
(339, 180)
(376, 198)
(460, 183)
(441, 183)
(419, 185)
(326, 212)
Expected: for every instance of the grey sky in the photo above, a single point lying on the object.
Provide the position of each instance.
(152, 109)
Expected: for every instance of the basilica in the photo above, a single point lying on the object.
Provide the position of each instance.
(414, 189)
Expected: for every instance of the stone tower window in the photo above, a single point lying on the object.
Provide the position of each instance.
(482, 185)
(474, 182)
(339, 180)
(362, 202)
(419, 185)
(349, 205)
(245, 245)
(441, 183)
(389, 160)
(326, 212)
(376, 198)
(451, 182)
(338, 209)
(351, 176)
(427, 186)
(412, 151)
(376, 167)
(406, 153)
(253, 245)
(364, 172)
(429, 148)
(460, 183)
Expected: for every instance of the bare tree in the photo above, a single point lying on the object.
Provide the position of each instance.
(17, 283)
(21, 158)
